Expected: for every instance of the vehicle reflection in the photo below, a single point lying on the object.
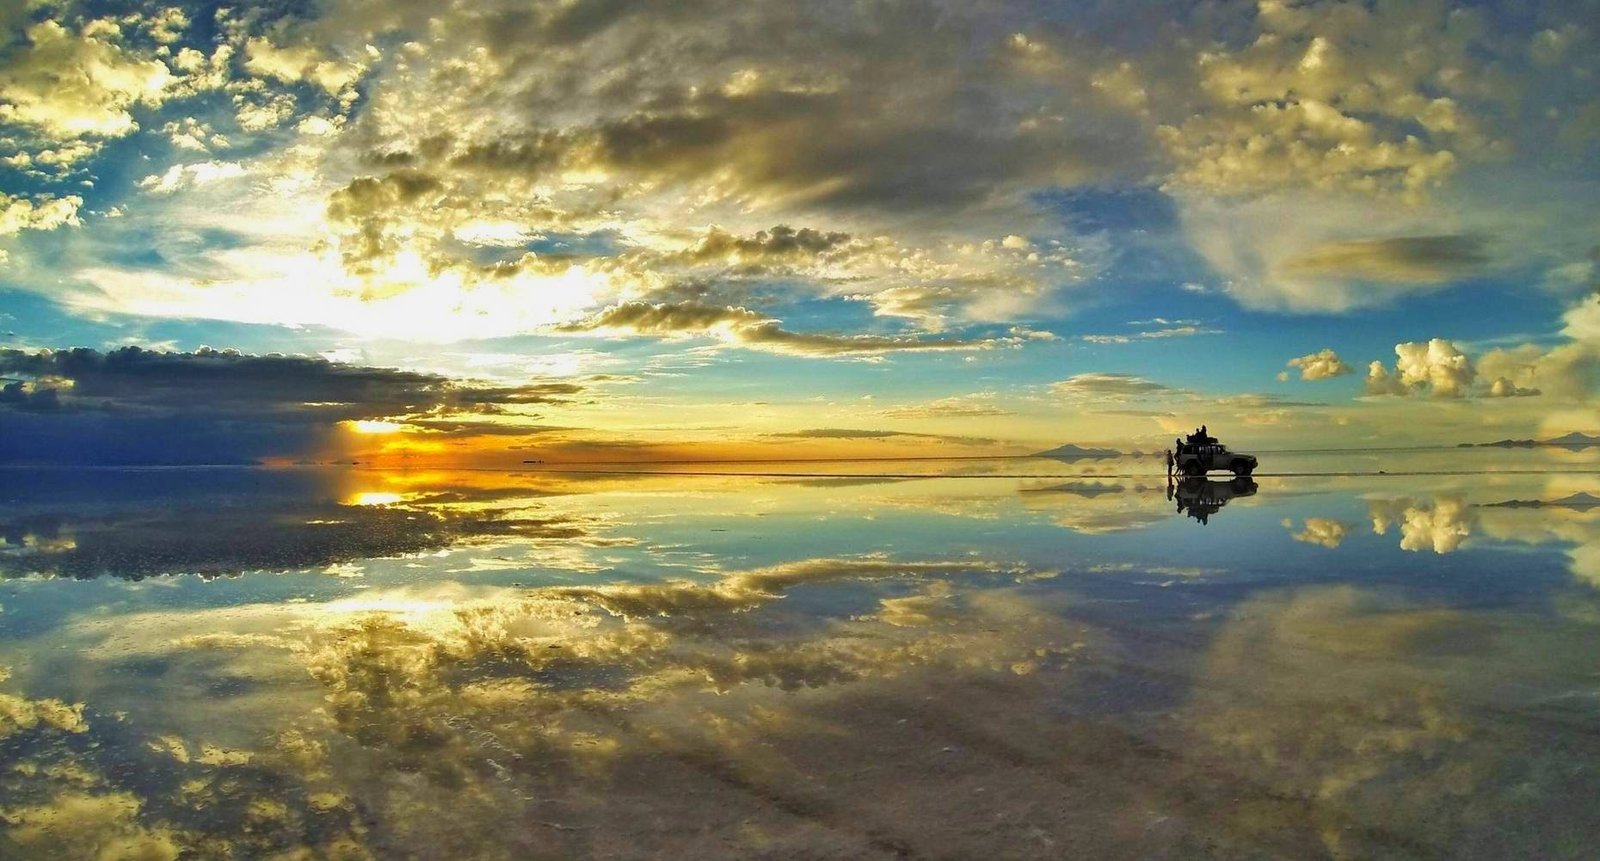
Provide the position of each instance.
(1200, 498)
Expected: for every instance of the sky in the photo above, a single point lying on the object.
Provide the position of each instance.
(492, 231)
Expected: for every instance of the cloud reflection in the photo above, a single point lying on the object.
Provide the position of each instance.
(534, 714)
(722, 692)
(217, 523)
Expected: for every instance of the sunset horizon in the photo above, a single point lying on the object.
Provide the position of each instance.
(1138, 430)
(582, 228)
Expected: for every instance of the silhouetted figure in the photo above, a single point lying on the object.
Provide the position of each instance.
(1171, 461)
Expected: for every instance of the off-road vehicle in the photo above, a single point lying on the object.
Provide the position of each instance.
(1201, 454)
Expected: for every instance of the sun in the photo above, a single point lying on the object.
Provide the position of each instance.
(373, 426)
(374, 498)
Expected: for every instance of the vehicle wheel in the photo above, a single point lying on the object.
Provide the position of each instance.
(1193, 469)
(1242, 468)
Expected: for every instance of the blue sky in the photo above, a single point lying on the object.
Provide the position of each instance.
(983, 227)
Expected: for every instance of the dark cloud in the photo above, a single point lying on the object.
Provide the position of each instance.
(1405, 259)
(779, 245)
(371, 207)
(133, 524)
(223, 382)
(745, 327)
(467, 428)
(29, 396)
(942, 131)
(667, 318)
(215, 406)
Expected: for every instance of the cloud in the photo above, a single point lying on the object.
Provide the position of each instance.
(1365, 709)
(1097, 509)
(843, 433)
(131, 378)
(865, 434)
(1575, 529)
(1441, 525)
(67, 84)
(960, 406)
(184, 176)
(1183, 331)
(1109, 386)
(747, 328)
(144, 404)
(1334, 96)
(437, 682)
(302, 62)
(236, 522)
(1435, 367)
(1319, 366)
(911, 190)
(1581, 322)
(780, 244)
(733, 129)
(748, 589)
(1405, 259)
(1567, 372)
(1503, 387)
(167, 25)
(19, 213)
(1295, 253)
(1321, 531)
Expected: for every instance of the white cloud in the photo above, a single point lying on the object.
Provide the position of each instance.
(1566, 372)
(1582, 321)
(167, 25)
(185, 176)
(1338, 96)
(68, 84)
(302, 62)
(1441, 526)
(1321, 365)
(1109, 386)
(1187, 330)
(1435, 367)
(19, 213)
(1321, 531)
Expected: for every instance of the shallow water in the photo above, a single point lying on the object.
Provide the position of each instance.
(1360, 654)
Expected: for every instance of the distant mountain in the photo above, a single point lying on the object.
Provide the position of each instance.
(1077, 452)
(1577, 502)
(1571, 440)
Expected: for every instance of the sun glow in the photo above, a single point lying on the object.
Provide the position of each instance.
(373, 426)
(373, 498)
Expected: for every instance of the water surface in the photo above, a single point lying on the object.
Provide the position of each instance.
(1376, 654)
